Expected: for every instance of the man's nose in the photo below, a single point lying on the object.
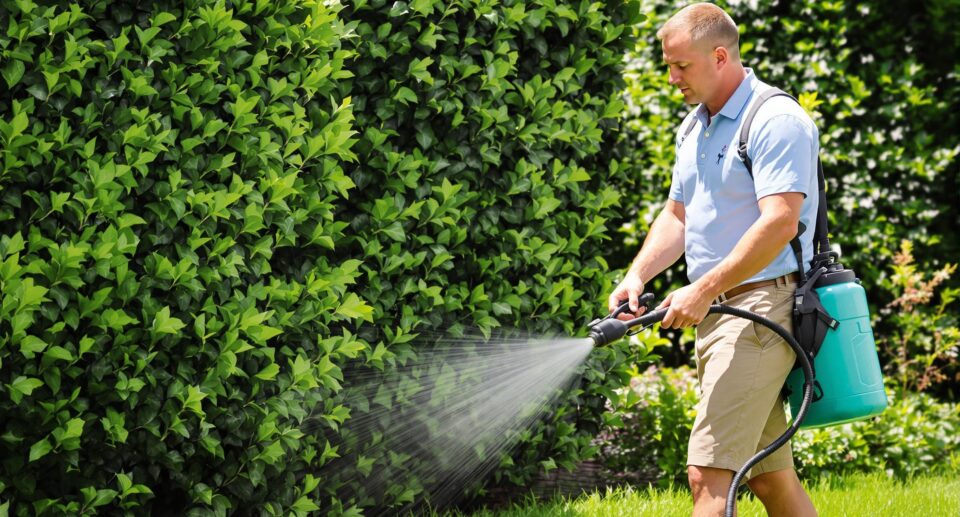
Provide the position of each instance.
(674, 78)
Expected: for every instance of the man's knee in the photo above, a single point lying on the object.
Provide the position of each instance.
(762, 486)
(695, 478)
(772, 483)
(708, 481)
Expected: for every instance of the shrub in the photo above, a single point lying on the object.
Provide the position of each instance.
(210, 209)
(647, 441)
(925, 340)
(914, 434)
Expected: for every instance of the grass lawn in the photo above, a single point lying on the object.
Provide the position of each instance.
(861, 495)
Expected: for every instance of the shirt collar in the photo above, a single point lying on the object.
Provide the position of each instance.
(735, 104)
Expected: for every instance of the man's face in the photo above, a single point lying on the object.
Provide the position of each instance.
(692, 69)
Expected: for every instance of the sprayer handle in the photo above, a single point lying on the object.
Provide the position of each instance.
(645, 301)
(649, 318)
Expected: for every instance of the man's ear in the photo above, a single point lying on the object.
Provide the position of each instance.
(721, 56)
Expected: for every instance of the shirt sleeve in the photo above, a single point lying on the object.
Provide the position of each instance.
(676, 186)
(784, 156)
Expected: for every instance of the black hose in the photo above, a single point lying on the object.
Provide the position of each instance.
(808, 376)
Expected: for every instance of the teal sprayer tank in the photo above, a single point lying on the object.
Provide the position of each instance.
(847, 367)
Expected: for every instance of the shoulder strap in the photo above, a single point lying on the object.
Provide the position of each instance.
(686, 133)
(748, 121)
(821, 242)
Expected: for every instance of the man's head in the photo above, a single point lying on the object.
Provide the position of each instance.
(701, 47)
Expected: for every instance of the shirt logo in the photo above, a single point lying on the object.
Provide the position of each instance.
(721, 154)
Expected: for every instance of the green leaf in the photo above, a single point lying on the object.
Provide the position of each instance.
(271, 453)
(163, 323)
(405, 95)
(243, 106)
(15, 244)
(395, 231)
(40, 449)
(103, 496)
(193, 400)
(38, 90)
(354, 307)
(57, 353)
(31, 345)
(31, 294)
(13, 72)
(162, 18)
(305, 504)
(23, 386)
(424, 7)
(269, 372)
(73, 429)
(127, 220)
(350, 349)
(365, 465)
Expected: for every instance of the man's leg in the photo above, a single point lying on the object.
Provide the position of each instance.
(782, 494)
(709, 487)
(741, 369)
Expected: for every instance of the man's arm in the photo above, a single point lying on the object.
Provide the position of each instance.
(763, 241)
(661, 248)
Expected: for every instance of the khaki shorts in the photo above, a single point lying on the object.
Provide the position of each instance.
(742, 366)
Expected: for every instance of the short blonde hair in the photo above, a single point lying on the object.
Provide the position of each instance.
(706, 24)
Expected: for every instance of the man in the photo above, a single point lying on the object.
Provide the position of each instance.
(734, 231)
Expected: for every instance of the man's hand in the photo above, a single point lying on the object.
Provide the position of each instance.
(687, 307)
(629, 289)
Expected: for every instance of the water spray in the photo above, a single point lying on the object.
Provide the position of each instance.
(609, 329)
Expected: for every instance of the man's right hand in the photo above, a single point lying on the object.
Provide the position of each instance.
(629, 289)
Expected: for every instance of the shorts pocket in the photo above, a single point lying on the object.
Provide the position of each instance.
(780, 311)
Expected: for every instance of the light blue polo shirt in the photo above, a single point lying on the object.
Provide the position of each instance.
(720, 198)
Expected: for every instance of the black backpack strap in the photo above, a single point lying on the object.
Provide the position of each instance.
(748, 121)
(821, 242)
(821, 234)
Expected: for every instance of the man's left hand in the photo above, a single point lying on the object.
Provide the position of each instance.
(687, 307)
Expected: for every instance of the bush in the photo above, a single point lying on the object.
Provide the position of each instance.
(914, 434)
(209, 210)
(647, 441)
(925, 340)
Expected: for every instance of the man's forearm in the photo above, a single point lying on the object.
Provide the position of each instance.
(662, 247)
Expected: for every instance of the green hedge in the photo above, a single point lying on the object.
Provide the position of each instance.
(171, 309)
(209, 209)
(482, 176)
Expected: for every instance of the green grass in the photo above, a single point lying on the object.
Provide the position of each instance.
(861, 495)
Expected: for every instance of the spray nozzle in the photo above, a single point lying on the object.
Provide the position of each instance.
(606, 330)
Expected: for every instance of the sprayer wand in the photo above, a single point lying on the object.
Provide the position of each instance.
(609, 329)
